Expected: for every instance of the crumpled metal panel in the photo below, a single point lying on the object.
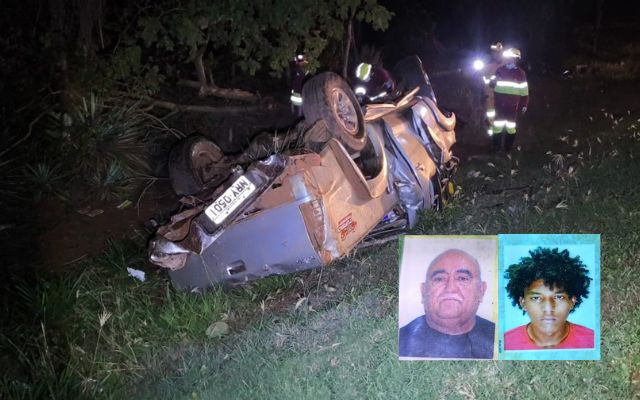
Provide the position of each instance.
(267, 243)
(413, 168)
(192, 231)
(410, 195)
(353, 205)
(440, 128)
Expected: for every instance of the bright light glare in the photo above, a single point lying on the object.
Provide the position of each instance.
(509, 54)
(478, 65)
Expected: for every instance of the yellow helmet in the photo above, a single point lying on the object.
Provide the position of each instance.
(511, 53)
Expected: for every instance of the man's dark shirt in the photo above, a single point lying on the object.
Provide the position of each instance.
(417, 339)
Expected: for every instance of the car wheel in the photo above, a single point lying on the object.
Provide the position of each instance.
(196, 163)
(327, 96)
(409, 73)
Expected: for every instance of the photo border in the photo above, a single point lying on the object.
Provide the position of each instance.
(495, 292)
(548, 240)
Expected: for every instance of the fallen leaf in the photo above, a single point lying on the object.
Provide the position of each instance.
(329, 289)
(562, 204)
(299, 303)
(217, 329)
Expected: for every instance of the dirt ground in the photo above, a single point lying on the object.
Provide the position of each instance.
(67, 233)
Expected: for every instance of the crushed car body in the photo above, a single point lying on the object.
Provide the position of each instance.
(291, 212)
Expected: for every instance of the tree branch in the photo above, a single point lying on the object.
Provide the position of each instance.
(168, 105)
(26, 136)
(347, 46)
(208, 88)
(212, 90)
(199, 65)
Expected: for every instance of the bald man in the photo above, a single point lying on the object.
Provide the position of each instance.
(451, 294)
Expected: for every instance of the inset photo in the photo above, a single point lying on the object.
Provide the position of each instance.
(551, 297)
(448, 302)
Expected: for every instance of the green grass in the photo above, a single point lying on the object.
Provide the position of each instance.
(54, 345)
(95, 332)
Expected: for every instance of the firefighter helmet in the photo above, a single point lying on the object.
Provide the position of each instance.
(511, 53)
(497, 46)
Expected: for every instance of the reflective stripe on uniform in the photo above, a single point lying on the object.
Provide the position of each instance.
(361, 90)
(363, 71)
(512, 88)
(491, 113)
(490, 132)
(502, 124)
(380, 95)
(296, 98)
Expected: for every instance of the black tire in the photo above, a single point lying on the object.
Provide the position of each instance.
(195, 163)
(410, 73)
(327, 96)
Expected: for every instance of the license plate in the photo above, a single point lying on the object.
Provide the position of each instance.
(231, 199)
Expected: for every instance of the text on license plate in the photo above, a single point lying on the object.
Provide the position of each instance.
(231, 199)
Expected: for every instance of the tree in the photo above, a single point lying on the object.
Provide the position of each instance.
(251, 35)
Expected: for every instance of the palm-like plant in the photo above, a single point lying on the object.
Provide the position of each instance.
(103, 145)
(45, 179)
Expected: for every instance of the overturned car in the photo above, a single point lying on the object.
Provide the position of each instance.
(353, 179)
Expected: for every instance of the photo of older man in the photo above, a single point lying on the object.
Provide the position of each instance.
(451, 292)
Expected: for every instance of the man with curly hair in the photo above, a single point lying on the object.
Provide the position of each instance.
(548, 285)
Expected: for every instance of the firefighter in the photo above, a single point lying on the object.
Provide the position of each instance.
(511, 97)
(298, 73)
(373, 83)
(489, 76)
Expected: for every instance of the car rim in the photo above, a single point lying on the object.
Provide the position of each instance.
(202, 160)
(344, 111)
